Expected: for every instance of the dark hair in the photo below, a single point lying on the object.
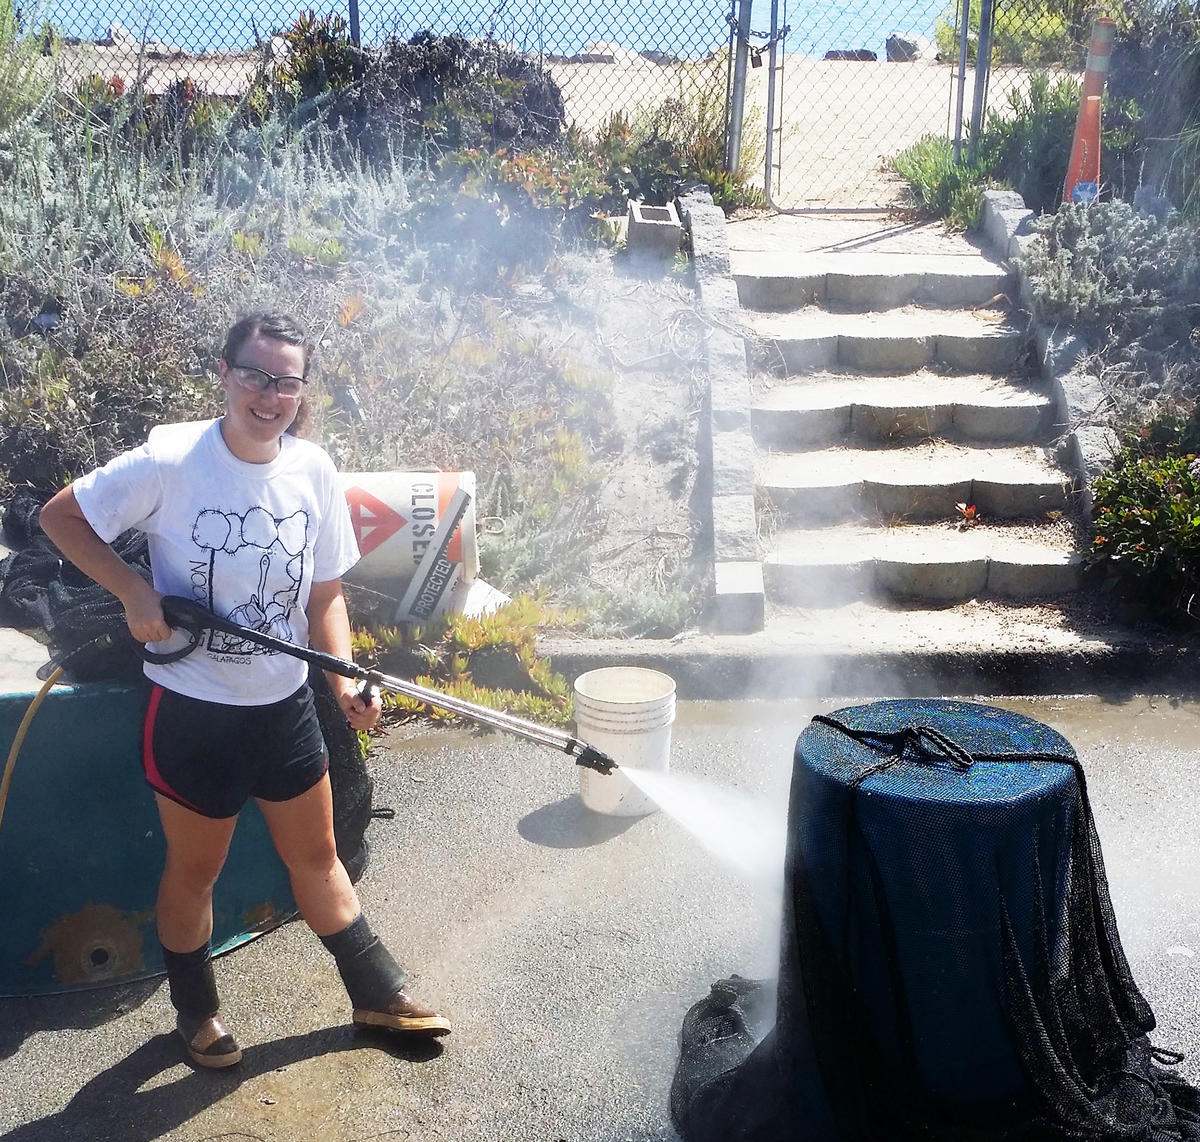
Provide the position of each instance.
(274, 327)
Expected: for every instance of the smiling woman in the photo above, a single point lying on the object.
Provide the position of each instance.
(263, 368)
(249, 522)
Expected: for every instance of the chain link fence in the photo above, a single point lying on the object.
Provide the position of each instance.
(833, 93)
(843, 91)
(606, 55)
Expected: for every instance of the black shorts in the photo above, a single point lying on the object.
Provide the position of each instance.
(212, 758)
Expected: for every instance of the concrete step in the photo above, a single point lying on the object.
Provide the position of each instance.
(922, 481)
(826, 407)
(847, 280)
(932, 563)
(895, 340)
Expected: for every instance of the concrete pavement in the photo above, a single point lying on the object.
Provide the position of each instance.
(566, 946)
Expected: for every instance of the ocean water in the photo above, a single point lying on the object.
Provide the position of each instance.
(682, 28)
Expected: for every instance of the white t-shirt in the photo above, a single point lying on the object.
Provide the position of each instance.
(245, 541)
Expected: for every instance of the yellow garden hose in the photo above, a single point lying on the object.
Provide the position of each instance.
(19, 738)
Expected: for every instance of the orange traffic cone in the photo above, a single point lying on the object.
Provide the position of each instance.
(1083, 169)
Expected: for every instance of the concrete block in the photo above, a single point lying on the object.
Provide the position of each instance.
(733, 464)
(980, 353)
(884, 354)
(871, 291)
(1022, 579)
(1013, 499)
(1003, 217)
(739, 605)
(1082, 399)
(936, 581)
(876, 422)
(1018, 244)
(729, 401)
(801, 354)
(726, 352)
(818, 584)
(956, 290)
(1089, 451)
(818, 504)
(763, 291)
(706, 225)
(1097, 446)
(916, 501)
(1002, 422)
(1058, 350)
(786, 428)
(735, 530)
(653, 230)
(720, 298)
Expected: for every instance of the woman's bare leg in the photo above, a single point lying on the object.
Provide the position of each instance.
(302, 830)
(196, 850)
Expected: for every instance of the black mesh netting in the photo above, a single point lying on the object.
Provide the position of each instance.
(39, 589)
(950, 964)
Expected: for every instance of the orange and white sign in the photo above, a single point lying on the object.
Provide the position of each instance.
(395, 516)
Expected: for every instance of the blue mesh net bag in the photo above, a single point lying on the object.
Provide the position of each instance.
(950, 965)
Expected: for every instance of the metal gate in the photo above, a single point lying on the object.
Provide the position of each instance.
(846, 91)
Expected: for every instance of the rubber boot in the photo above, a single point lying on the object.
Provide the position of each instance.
(377, 985)
(194, 997)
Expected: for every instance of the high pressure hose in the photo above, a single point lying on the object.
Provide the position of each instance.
(19, 737)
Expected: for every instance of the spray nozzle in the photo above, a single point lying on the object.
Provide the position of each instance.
(594, 759)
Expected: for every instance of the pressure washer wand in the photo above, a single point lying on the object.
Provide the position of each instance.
(181, 612)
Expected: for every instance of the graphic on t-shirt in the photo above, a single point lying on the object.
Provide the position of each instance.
(257, 559)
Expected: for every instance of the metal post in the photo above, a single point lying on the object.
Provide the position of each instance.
(737, 102)
(983, 65)
(964, 47)
(355, 38)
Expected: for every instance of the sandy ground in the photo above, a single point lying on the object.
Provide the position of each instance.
(837, 124)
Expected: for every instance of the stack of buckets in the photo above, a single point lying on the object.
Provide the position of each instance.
(626, 712)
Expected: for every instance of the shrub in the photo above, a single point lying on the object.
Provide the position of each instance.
(132, 232)
(491, 661)
(1022, 147)
(941, 188)
(1027, 145)
(1130, 281)
(1156, 65)
(1034, 34)
(1146, 534)
(424, 97)
(650, 155)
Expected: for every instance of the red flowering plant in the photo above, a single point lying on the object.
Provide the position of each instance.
(1146, 511)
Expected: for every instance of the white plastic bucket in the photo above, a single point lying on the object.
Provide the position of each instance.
(625, 711)
(394, 515)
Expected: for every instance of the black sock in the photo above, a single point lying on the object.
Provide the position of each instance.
(372, 977)
(193, 988)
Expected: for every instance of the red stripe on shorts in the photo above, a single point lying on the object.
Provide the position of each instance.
(156, 779)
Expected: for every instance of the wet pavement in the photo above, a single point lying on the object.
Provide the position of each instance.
(566, 947)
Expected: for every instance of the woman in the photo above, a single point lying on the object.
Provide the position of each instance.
(250, 521)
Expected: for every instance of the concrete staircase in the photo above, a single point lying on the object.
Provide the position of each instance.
(887, 390)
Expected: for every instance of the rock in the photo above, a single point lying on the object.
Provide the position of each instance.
(1148, 202)
(908, 47)
(120, 37)
(598, 51)
(854, 55)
